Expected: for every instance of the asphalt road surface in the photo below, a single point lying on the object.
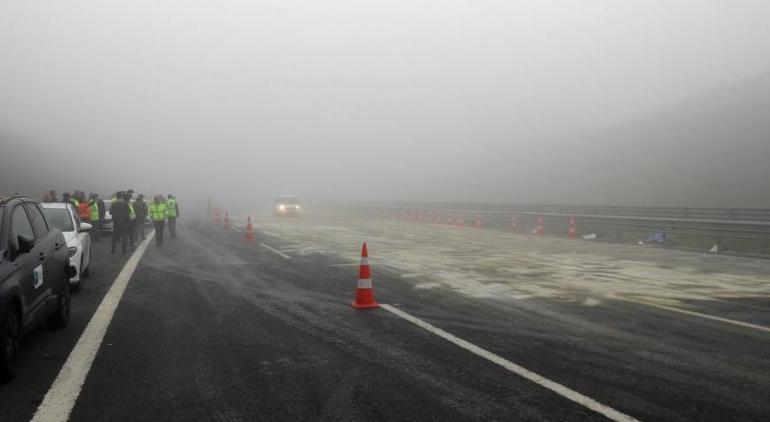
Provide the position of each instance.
(211, 327)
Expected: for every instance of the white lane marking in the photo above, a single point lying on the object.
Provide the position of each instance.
(61, 397)
(275, 251)
(698, 314)
(557, 388)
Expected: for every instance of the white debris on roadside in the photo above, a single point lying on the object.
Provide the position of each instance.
(495, 264)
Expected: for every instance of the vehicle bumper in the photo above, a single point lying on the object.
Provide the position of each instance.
(287, 213)
(75, 262)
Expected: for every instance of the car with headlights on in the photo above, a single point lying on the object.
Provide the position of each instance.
(62, 215)
(287, 206)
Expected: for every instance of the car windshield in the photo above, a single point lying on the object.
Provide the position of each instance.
(59, 218)
(289, 200)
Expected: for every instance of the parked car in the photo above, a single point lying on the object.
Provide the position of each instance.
(286, 206)
(34, 276)
(76, 233)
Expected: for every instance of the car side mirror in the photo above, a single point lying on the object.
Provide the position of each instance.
(85, 227)
(26, 243)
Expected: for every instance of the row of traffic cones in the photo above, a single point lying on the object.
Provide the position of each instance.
(455, 220)
(248, 234)
(364, 290)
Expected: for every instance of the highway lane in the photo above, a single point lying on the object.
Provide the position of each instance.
(213, 328)
(660, 364)
(43, 352)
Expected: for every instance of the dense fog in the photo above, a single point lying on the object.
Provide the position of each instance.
(604, 102)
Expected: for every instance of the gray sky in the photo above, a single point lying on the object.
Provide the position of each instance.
(350, 99)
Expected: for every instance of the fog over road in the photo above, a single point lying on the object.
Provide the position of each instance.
(212, 327)
(614, 123)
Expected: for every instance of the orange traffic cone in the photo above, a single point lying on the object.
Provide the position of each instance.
(540, 230)
(364, 290)
(572, 231)
(478, 221)
(249, 230)
(227, 221)
(514, 224)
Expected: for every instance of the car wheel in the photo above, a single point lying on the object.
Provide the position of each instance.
(61, 316)
(10, 331)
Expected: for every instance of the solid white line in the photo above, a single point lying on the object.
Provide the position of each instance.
(698, 314)
(557, 388)
(275, 251)
(61, 397)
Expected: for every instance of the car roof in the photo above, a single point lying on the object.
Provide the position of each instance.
(5, 198)
(61, 205)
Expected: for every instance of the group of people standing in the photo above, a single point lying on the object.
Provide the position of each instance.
(128, 215)
(91, 210)
(162, 209)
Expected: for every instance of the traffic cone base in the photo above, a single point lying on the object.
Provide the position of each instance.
(368, 306)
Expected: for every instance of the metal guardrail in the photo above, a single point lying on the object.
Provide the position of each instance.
(735, 230)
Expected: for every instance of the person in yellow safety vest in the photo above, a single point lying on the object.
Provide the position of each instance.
(94, 217)
(158, 213)
(173, 214)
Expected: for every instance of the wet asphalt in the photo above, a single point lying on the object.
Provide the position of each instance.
(214, 328)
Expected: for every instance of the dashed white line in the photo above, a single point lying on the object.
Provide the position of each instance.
(61, 397)
(275, 251)
(557, 388)
(698, 314)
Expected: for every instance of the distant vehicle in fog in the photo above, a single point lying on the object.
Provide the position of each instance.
(287, 206)
(76, 233)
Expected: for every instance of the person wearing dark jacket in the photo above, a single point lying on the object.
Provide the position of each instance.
(102, 210)
(140, 208)
(120, 221)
